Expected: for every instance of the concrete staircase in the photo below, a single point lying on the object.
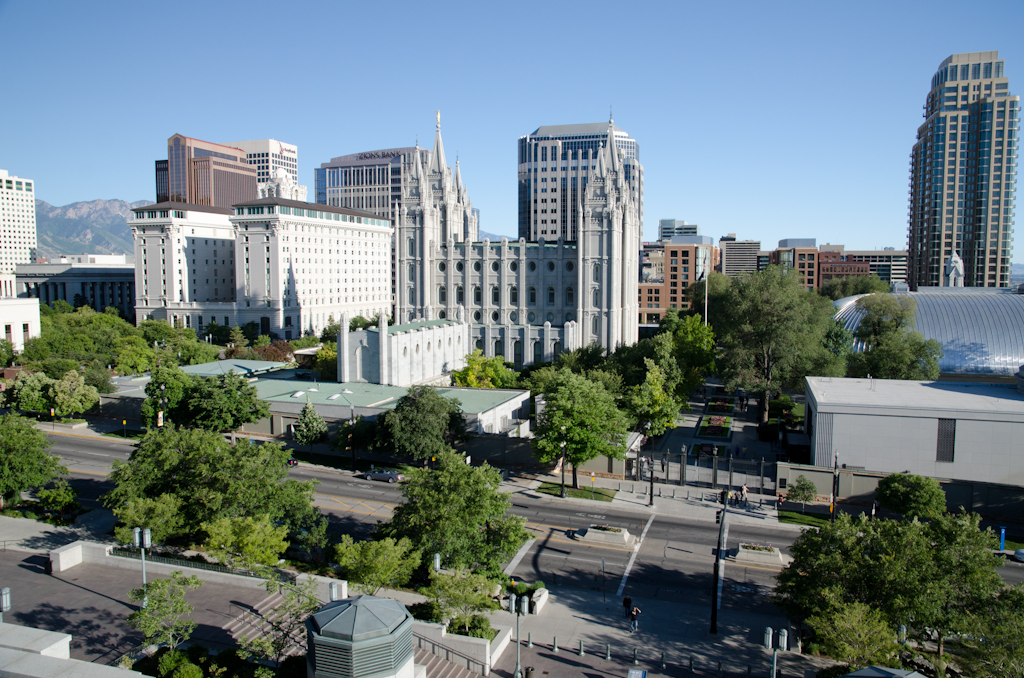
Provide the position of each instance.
(252, 622)
(440, 668)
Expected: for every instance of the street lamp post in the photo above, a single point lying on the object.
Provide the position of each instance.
(650, 499)
(5, 602)
(563, 463)
(835, 489)
(143, 541)
(520, 609)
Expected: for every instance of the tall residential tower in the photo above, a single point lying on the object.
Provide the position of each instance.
(17, 222)
(963, 174)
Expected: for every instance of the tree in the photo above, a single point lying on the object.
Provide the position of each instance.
(459, 511)
(892, 350)
(911, 496)
(373, 565)
(310, 427)
(30, 391)
(850, 285)
(718, 293)
(286, 627)
(856, 635)
(327, 362)
(693, 345)
(460, 595)
(237, 337)
(583, 416)
(134, 356)
(6, 353)
(423, 424)
(483, 372)
(313, 537)
(167, 391)
(224, 402)
(58, 498)
(210, 478)
(996, 648)
(72, 395)
(98, 377)
(161, 515)
(246, 543)
(648, 402)
(772, 333)
(803, 491)
(163, 620)
(24, 461)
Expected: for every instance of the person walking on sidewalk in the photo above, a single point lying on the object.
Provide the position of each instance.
(743, 494)
(634, 619)
(627, 605)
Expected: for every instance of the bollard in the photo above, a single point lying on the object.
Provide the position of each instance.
(620, 487)
(662, 660)
(673, 493)
(691, 664)
(719, 668)
(582, 653)
(635, 660)
(687, 494)
(659, 490)
(607, 652)
(554, 646)
(529, 640)
(631, 488)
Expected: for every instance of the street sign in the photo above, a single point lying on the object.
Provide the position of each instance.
(636, 673)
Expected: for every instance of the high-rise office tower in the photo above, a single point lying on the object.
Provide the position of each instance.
(670, 228)
(738, 256)
(268, 156)
(370, 180)
(963, 174)
(17, 221)
(202, 173)
(557, 162)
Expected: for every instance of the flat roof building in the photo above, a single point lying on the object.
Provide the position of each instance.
(17, 221)
(268, 156)
(82, 281)
(668, 228)
(738, 256)
(203, 173)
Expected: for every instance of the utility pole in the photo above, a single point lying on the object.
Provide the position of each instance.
(722, 532)
(562, 495)
(143, 541)
(835, 490)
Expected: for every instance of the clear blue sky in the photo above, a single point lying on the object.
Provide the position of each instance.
(769, 120)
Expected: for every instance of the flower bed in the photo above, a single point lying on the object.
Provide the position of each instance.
(606, 528)
(716, 427)
(719, 404)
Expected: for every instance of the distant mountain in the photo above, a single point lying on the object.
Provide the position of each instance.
(92, 227)
(494, 237)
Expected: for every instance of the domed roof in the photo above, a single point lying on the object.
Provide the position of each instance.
(360, 618)
(981, 330)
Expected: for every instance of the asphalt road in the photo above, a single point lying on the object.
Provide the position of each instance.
(673, 562)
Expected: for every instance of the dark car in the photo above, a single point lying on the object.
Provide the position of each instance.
(292, 461)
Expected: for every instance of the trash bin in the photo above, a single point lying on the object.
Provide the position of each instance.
(49, 566)
(529, 672)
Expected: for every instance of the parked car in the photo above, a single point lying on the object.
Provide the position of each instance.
(386, 474)
(1019, 555)
(292, 461)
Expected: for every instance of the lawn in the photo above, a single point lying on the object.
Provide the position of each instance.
(1013, 543)
(809, 519)
(716, 426)
(132, 434)
(599, 493)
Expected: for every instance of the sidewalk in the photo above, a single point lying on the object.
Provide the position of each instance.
(34, 536)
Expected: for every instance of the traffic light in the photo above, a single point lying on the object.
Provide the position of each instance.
(718, 516)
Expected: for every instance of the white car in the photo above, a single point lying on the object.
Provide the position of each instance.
(1018, 555)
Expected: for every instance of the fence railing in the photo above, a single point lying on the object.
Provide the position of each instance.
(440, 650)
(181, 562)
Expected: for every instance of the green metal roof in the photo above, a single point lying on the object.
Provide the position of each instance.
(243, 367)
(473, 400)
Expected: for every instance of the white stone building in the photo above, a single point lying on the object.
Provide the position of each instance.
(268, 156)
(17, 221)
(288, 265)
(424, 352)
(525, 300)
(19, 319)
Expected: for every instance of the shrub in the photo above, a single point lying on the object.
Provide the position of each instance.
(188, 670)
(169, 662)
(479, 627)
(197, 654)
(292, 667)
(834, 671)
(31, 515)
(426, 611)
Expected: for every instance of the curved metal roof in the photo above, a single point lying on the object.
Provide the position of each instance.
(981, 331)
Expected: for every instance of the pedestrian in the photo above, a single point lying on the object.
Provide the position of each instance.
(627, 604)
(634, 619)
(874, 508)
(663, 461)
(744, 493)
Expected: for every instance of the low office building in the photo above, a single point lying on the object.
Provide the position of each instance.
(20, 320)
(800, 255)
(94, 280)
(888, 263)
(669, 228)
(952, 430)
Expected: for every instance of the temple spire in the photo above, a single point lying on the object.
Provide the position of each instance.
(437, 161)
(614, 164)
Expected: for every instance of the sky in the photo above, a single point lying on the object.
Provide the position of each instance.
(767, 120)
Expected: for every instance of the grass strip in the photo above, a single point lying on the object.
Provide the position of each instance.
(599, 493)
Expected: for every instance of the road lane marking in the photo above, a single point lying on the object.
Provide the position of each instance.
(91, 473)
(632, 558)
(519, 556)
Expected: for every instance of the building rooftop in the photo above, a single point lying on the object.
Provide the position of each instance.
(587, 128)
(359, 618)
(243, 367)
(309, 206)
(413, 326)
(182, 206)
(473, 400)
(893, 394)
(981, 329)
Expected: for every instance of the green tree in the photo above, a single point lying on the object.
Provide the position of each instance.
(71, 395)
(718, 294)
(98, 377)
(460, 595)
(314, 538)
(262, 341)
(327, 362)
(483, 372)
(849, 285)
(856, 635)
(246, 543)
(211, 479)
(803, 491)
(134, 356)
(693, 345)
(168, 390)
(995, 649)
(58, 498)
(581, 415)
(61, 306)
(24, 461)
(6, 353)
(423, 424)
(459, 511)
(55, 367)
(163, 621)
(284, 629)
(237, 337)
(373, 565)
(161, 515)
(911, 496)
(30, 391)
(224, 402)
(648, 402)
(892, 350)
(310, 427)
(773, 334)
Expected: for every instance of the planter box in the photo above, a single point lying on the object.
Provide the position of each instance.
(592, 534)
(744, 554)
(539, 600)
(57, 426)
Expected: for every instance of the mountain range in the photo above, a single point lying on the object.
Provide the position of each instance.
(91, 227)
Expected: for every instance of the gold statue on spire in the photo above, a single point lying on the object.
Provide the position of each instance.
(439, 120)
